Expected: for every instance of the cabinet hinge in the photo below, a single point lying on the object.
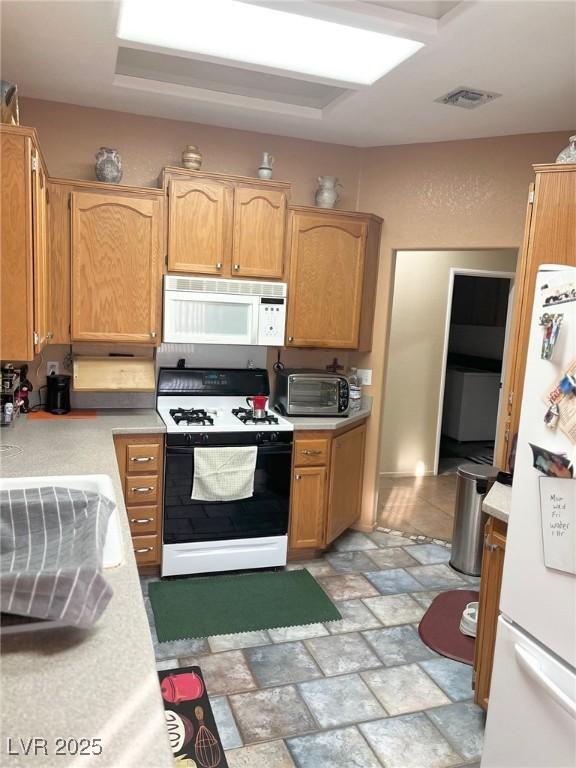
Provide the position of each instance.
(69, 203)
(510, 398)
(47, 196)
(34, 162)
(36, 337)
(531, 196)
(166, 259)
(506, 435)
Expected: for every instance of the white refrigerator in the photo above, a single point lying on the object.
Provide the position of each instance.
(531, 720)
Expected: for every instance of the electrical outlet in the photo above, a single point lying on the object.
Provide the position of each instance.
(365, 376)
(52, 368)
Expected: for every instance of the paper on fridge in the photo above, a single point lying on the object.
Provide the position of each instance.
(224, 474)
(558, 506)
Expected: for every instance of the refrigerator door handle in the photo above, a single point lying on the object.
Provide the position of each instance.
(530, 665)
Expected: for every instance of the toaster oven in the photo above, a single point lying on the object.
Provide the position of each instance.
(301, 392)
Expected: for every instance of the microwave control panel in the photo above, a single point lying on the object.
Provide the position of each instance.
(271, 322)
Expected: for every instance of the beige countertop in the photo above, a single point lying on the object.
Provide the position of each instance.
(497, 502)
(99, 683)
(333, 422)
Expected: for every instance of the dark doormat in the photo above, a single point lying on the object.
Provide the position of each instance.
(191, 726)
(440, 625)
(223, 605)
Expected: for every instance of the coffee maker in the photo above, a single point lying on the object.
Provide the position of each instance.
(58, 393)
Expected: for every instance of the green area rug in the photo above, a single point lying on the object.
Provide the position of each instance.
(222, 605)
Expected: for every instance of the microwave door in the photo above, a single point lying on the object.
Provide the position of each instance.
(210, 318)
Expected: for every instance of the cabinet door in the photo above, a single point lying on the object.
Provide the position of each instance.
(490, 584)
(16, 251)
(259, 225)
(345, 496)
(116, 277)
(199, 227)
(307, 508)
(42, 307)
(326, 272)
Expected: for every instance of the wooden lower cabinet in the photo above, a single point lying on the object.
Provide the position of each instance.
(141, 471)
(490, 584)
(326, 486)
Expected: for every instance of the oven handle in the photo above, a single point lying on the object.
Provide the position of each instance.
(176, 450)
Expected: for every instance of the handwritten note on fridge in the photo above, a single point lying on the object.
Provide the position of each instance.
(558, 505)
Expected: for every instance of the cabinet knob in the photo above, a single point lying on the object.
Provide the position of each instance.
(298, 477)
(152, 334)
(290, 338)
(236, 267)
(219, 265)
(490, 547)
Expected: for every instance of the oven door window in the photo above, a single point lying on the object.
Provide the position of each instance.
(264, 514)
(316, 393)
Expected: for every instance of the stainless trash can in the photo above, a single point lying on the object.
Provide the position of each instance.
(474, 482)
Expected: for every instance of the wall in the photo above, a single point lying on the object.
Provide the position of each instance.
(70, 135)
(460, 194)
(420, 307)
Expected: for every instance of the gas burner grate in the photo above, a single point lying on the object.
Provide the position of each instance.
(246, 417)
(190, 416)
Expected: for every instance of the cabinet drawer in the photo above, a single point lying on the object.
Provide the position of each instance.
(146, 549)
(311, 452)
(142, 488)
(143, 520)
(143, 457)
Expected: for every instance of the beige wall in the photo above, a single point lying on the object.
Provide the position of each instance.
(464, 194)
(416, 352)
(70, 135)
(447, 195)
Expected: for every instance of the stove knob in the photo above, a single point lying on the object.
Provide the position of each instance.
(259, 437)
(273, 437)
(204, 437)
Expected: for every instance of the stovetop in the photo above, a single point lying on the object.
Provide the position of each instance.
(193, 414)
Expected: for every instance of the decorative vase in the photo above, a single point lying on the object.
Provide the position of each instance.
(9, 103)
(568, 155)
(266, 165)
(191, 158)
(108, 165)
(327, 194)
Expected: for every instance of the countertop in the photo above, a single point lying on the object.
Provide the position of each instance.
(497, 502)
(99, 683)
(333, 422)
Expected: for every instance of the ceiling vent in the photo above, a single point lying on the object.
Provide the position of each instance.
(468, 98)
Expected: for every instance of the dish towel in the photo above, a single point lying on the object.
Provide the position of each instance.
(51, 548)
(224, 474)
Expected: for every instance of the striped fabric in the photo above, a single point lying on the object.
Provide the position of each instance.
(51, 545)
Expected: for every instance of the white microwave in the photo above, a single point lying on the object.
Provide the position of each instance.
(201, 310)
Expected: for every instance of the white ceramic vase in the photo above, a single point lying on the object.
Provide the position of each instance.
(266, 165)
(327, 193)
(191, 158)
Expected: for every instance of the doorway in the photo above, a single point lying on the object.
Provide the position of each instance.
(474, 361)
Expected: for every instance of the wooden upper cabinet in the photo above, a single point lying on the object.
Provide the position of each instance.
(42, 277)
(116, 267)
(24, 299)
(549, 238)
(259, 226)
(199, 226)
(332, 279)
(346, 470)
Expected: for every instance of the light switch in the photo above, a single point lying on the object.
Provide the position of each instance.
(365, 376)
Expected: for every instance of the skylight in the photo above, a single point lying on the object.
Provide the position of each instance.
(264, 37)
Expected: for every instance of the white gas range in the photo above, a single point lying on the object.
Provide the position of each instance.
(204, 409)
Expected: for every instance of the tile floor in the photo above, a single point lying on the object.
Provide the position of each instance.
(418, 505)
(363, 692)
